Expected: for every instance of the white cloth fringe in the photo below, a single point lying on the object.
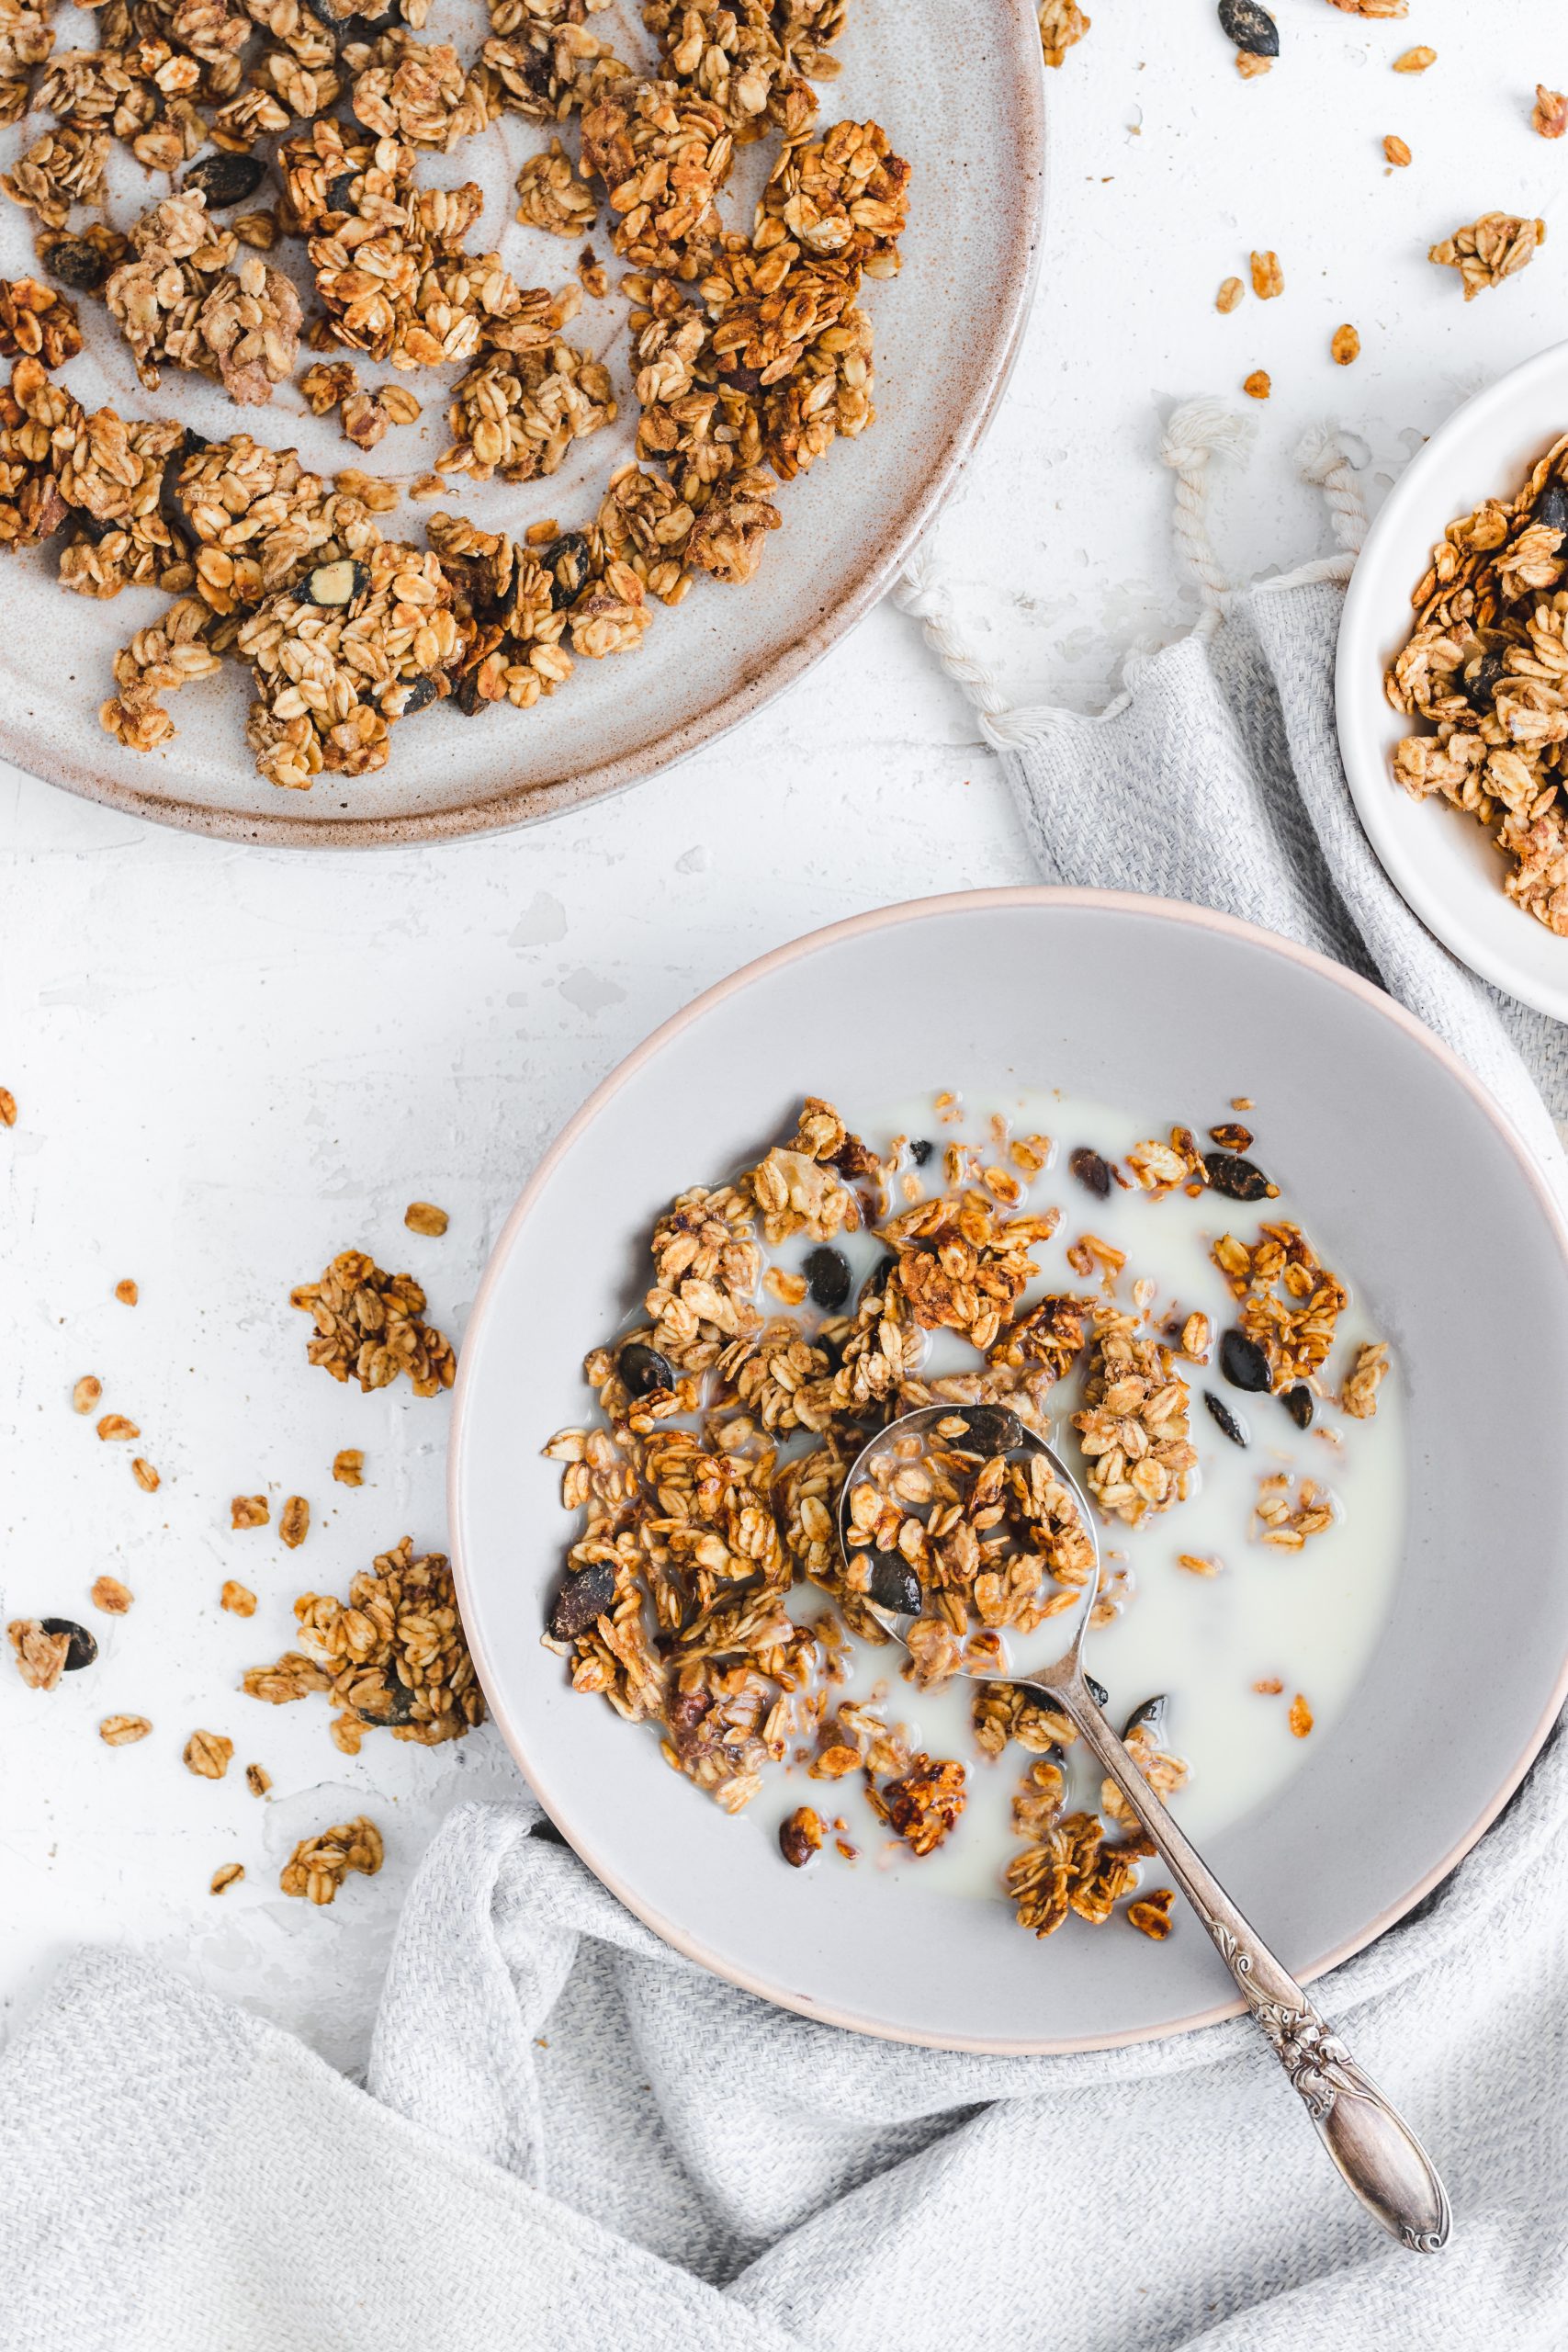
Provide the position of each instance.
(1198, 431)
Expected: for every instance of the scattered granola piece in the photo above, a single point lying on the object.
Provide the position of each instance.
(1257, 386)
(550, 195)
(1360, 1395)
(1197, 1564)
(393, 1654)
(1267, 278)
(123, 1731)
(1346, 346)
(249, 1511)
(594, 276)
(1062, 26)
(127, 1293)
(1249, 65)
(1290, 1304)
(7, 1107)
(348, 1467)
(367, 1324)
(1134, 1427)
(1151, 1913)
(1485, 252)
(1229, 295)
(318, 1865)
(36, 320)
(800, 1836)
(40, 1656)
(258, 1780)
(86, 1392)
(422, 1216)
(1270, 1686)
(1550, 114)
(227, 1876)
(1164, 1773)
(237, 1599)
(923, 1804)
(1289, 1514)
(1414, 61)
(146, 1477)
(294, 1522)
(110, 1595)
(208, 1754)
(115, 1427)
(1397, 153)
(1299, 1718)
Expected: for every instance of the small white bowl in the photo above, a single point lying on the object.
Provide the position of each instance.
(1438, 859)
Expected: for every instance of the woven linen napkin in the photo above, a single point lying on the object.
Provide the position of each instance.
(573, 2137)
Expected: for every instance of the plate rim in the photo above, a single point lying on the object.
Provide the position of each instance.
(1366, 768)
(519, 806)
(1048, 895)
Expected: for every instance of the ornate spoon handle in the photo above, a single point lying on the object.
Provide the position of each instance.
(1377, 2153)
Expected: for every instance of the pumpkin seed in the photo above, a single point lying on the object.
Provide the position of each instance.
(1298, 1402)
(224, 180)
(1251, 27)
(644, 1370)
(84, 1649)
(1244, 1363)
(584, 1596)
(893, 1585)
(992, 1429)
(1236, 1178)
(827, 1277)
(1149, 1717)
(336, 583)
(1091, 1171)
(1235, 1431)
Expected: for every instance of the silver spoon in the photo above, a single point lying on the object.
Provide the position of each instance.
(1378, 2155)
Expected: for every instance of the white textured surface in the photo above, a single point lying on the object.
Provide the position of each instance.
(230, 1063)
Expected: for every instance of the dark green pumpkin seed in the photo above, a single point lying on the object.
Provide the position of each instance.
(1244, 1363)
(893, 1585)
(643, 1369)
(1251, 27)
(1298, 1402)
(584, 1596)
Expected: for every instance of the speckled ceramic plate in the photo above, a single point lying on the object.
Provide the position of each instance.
(958, 88)
(1372, 1123)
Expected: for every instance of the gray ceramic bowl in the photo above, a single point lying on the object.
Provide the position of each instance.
(1465, 1260)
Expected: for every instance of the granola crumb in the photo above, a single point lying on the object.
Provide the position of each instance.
(1151, 1913)
(800, 1836)
(112, 1597)
(40, 1657)
(1299, 1718)
(1267, 278)
(348, 1467)
(114, 1427)
(1199, 1563)
(1270, 1686)
(1346, 346)
(86, 1392)
(1487, 250)
(424, 1217)
(123, 1731)
(208, 1754)
(1415, 61)
(127, 1293)
(1229, 295)
(1395, 150)
(318, 1866)
(7, 1107)
(146, 1477)
(1249, 65)
(1257, 386)
(1290, 1511)
(1062, 26)
(258, 1780)
(1359, 1396)
(249, 1511)
(237, 1599)
(227, 1876)
(1550, 117)
(294, 1522)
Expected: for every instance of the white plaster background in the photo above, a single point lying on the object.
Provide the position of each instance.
(231, 1063)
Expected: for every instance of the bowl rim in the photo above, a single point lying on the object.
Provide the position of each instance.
(1365, 760)
(1042, 895)
(518, 806)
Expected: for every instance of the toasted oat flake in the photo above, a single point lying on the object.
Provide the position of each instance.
(237, 1599)
(258, 1780)
(112, 1597)
(1229, 295)
(146, 1477)
(1346, 346)
(249, 1511)
(1267, 278)
(123, 1731)
(1270, 1687)
(318, 1865)
(7, 1107)
(348, 1467)
(424, 1217)
(294, 1522)
(86, 1392)
(1062, 26)
(208, 1754)
(1360, 1394)
(1414, 61)
(1395, 150)
(1257, 386)
(1250, 63)
(40, 1657)
(1151, 1913)
(1486, 251)
(1299, 1717)
(230, 1873)
(1199, 1563)
(1550, 117)
(115, 1427)
(127, 1293)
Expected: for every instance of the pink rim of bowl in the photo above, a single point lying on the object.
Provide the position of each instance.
(1041, 896)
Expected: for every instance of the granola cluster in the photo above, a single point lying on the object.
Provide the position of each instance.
(178, 299)
(369, 1326)
(1486, 668)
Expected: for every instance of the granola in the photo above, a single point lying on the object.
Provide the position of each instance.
(1484, 667)
(1062, 26)
(178, 300)
(368, 1324)
(393, 1656)
(318, 1865)
(1486, 251)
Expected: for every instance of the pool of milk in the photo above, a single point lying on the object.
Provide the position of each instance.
(1309, 1619)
